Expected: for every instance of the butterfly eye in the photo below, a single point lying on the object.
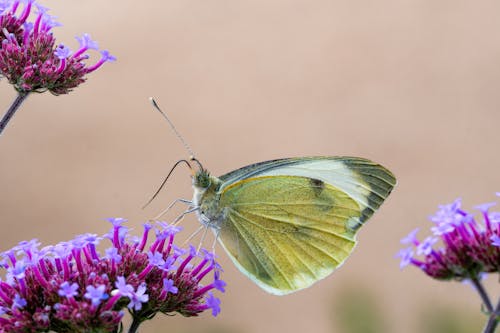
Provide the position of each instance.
(202, 180)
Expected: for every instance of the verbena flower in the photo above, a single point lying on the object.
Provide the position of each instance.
(30, 58)
(462, 245)
(72, 287)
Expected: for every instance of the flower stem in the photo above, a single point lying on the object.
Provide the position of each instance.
(492, 323)
(134, 326)
(482, 292)
(13, 108)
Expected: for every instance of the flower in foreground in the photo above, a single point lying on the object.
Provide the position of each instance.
(71, 287)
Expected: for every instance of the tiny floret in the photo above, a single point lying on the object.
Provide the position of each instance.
(138, 297)
(18, 302)
(411, 237)
(495, 240)
(406, 256)
(156, 259)
(86, 42)
(68, 290)
(123, 287)
(425, 248)
(62, 52)
(168, 286)
(96, 294)
(214, 304)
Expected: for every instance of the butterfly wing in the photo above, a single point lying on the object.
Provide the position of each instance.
(292, 222)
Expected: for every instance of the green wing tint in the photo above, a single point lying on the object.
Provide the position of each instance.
(289, 223)
(287, 232)
(368, 183)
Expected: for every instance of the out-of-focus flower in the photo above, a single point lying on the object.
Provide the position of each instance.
(71, 287)
(467, 245)
(32, 61)
(30, 58)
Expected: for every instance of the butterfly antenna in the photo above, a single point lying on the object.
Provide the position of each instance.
(155, 105)
(194, 159)
(165, 180)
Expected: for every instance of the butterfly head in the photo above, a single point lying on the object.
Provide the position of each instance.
(201, 179)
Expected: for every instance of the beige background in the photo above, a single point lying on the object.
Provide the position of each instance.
(410, 84)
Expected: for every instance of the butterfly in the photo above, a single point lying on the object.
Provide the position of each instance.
(288, 223)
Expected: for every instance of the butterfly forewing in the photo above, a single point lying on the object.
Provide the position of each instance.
(366, 182)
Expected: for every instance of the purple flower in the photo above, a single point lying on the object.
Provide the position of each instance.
(96, 294)
(156, 259)
(68, 290)
(138, 297)
(18, 270)
(220, 285)
(425, 247)
(123, 287)
(485, 207)
(168, 286)
(411, 237)
(18, 302)
(62, 52)
(406, 256)
(470, 245)
(117, 221)
(31, 60)
(495, 240)
(46, 287)
(214, 304)
(112, 254)
(86, 43)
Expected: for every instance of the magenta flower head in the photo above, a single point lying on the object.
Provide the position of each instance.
(462, 245)
(30, 58)
(72, 287)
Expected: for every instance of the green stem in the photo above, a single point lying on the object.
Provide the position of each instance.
(482, 292)
(492, 323)
(134, 326)
(13, 108)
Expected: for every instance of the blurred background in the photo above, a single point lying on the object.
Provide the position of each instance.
(413, 85)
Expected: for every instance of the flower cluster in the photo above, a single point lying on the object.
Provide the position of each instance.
(29, 56)
(71, 287)
(470, 245)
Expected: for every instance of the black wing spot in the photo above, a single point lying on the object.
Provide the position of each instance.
(317, 186)
(324, 201)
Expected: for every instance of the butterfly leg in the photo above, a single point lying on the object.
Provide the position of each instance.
(193, 235)
(202, 238)
(215, 241)
(179, 218)
(217, 268)
(184, 201)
